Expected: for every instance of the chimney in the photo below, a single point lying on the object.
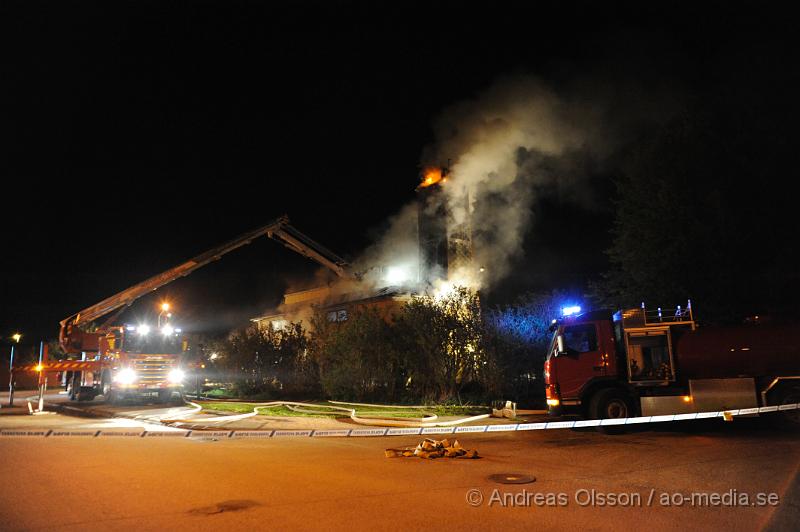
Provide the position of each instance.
(444, 247)
(432, 231)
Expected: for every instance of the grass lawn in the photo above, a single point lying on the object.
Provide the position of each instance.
(439, 410)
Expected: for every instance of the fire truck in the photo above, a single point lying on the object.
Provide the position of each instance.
(656, 362)
(142, 359)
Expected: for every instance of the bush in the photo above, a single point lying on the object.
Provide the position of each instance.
(435, 349)
(357, 358)
(442, 345)
(517, 338)
(269, 362)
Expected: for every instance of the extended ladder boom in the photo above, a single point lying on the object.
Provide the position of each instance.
(279, 230)
(300, 243)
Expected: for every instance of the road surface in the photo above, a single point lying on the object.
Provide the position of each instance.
(338, 483)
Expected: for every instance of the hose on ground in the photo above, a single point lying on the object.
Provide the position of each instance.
(430, 420)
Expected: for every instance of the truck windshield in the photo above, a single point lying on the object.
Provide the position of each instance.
(153, 343)
(552, 348)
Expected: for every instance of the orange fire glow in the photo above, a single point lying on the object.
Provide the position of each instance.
(431, 176)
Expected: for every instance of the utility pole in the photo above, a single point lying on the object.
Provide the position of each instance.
(43, 356)
(11, 378)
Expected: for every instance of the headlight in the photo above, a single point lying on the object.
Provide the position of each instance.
(144, 329)
(176, 376)
(125, 376)
(167, 330)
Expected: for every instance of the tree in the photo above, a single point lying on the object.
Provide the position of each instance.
(357, 358)
(699, 215)
(267, 360)
(442, 343)
(517, 337)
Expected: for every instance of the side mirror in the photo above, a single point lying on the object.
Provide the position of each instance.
(560, 350)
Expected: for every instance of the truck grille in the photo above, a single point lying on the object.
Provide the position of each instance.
(153, 368)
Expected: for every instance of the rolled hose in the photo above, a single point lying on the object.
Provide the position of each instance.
(374, 421)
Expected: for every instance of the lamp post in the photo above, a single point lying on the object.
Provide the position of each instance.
(16, 337)
(197, 384)
(43, 352)
(164, 308)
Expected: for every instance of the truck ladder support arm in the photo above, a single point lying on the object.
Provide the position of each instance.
(310, 249)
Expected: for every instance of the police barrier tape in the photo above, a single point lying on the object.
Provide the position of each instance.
(393, 431)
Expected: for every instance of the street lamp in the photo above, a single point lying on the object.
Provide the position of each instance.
(164, 308)
(16, 337)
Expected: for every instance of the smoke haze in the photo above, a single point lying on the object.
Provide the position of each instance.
(507, 147)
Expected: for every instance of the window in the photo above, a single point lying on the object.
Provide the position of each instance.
(580, 339)
(648, 357)
(337, 315)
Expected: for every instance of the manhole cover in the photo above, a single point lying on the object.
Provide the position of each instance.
(512, 478)
(224, 506)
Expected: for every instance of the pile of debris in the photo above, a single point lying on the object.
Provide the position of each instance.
(429, 448)
(509, 410)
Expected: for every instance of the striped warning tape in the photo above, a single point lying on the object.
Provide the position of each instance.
(61, 366)
(395, 431)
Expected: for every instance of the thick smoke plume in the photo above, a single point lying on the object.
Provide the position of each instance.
(515, 142)
(511, 143)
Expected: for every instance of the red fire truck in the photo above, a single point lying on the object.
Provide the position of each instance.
(655, 362)
(141, 359)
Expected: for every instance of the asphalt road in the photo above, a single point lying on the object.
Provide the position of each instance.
(305, 483)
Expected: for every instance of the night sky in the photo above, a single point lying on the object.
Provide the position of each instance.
(138, 134)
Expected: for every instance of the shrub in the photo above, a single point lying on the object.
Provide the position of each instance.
(357, 358)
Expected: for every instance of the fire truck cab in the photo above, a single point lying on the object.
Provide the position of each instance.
(131, 362)
(641, 362)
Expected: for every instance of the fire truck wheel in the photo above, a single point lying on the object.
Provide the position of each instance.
(105, 387)
(164, 396)
(112, 397)
(610, 404)
(74, 385)
(84, 396)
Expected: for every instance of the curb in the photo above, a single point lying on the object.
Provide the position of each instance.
(401, 431)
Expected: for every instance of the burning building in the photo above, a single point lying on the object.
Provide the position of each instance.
(444, 254)
(300, 306)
